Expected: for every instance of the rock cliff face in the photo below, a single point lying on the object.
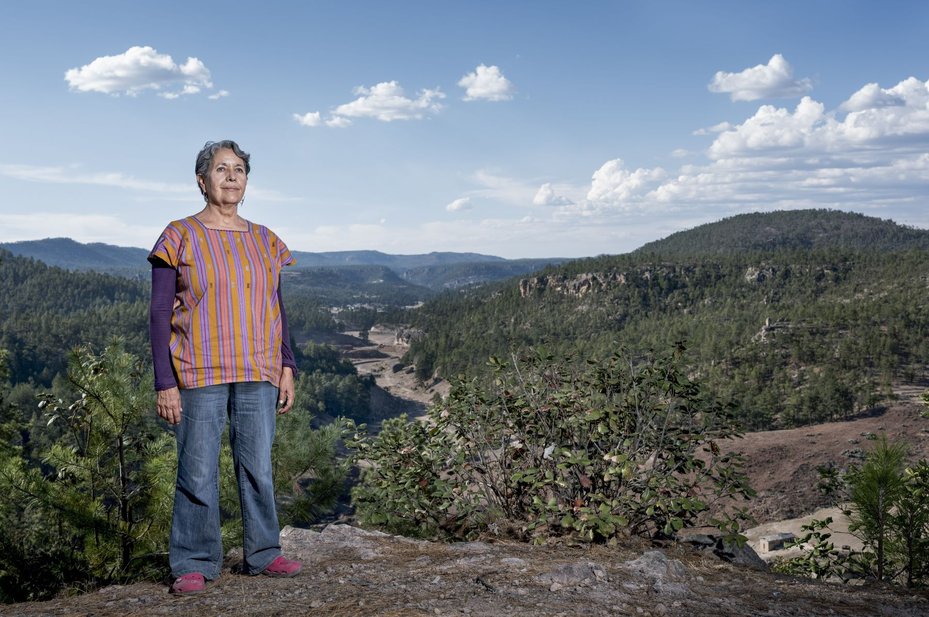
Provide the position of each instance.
(584, 283)
(351, 572)
(405, 336)
(579, 285)
(764, 272)
(576, 286)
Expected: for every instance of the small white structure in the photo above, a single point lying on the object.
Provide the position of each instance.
(775, 542)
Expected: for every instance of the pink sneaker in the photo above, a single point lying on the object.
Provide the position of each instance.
(282, 567)
(188, 583)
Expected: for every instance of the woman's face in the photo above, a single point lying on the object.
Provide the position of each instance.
(225, 181)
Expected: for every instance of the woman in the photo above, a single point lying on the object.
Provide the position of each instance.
(221, 349)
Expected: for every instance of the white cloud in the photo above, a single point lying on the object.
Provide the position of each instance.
(72, 175)
(498, 187)
(546, 196)
(139, 69)
(338, 122)
(150, 188)
(747, 185)
(218, 95)
(716, 128)
(909, 92)
(462, 203)
(312, 118)
(773, 128)
(764, 81)
(387, 102)
(613, 184)
(872, 157)
(870, 96)
(486, 83)
(873, 130)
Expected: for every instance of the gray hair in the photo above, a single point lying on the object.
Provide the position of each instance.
(205, 158)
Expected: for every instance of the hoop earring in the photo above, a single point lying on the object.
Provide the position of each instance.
(242, 203)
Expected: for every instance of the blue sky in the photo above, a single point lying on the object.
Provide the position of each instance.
(519, 129)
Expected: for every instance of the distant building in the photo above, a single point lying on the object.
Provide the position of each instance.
(775, 542)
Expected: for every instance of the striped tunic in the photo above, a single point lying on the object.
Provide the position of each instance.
(226, 324)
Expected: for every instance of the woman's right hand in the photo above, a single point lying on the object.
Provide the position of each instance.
(169, 405)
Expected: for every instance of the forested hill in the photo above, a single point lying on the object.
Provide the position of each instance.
(791, 230)
(70, 255)
(820, 328)
(46, 311)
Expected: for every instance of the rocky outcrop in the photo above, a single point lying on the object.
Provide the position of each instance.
(758, 274)
(820, 274)
(351, 572)
(584, 283)
(769, 329)
(405, 336)
(577, 286)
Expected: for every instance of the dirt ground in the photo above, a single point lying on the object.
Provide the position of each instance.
(783, 467)
(783, 464)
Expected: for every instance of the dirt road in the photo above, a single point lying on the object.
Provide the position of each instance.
(381, 359)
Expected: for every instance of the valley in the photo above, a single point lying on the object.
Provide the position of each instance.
(823, 316)
(380, 356)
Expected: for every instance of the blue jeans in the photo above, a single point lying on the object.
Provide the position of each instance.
(196, 544)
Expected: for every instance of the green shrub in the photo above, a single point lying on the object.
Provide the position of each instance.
(407, 484)
(887, 504)
(616, 447)
(874, 488)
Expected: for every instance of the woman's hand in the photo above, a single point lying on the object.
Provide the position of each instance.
(286, 386)
(169, 405)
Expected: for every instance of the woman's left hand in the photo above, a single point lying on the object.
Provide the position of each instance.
(286, 387)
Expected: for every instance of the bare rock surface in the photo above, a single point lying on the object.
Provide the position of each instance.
(349, 571)
(782, 465)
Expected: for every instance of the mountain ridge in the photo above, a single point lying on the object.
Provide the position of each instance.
(435, 270)
(789, 230)
(70, 254)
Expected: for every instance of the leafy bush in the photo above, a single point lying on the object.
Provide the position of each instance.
(616, 447)
(408, 483)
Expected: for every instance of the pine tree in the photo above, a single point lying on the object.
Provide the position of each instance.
(874, 489)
